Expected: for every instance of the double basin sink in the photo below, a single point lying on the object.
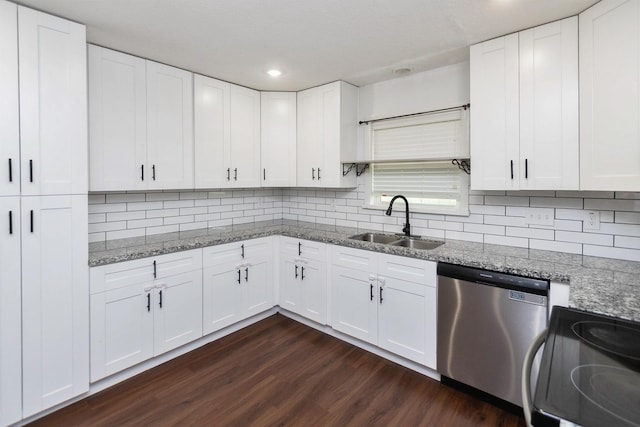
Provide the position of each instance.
(396, 240)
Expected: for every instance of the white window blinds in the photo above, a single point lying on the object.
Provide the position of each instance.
(412, 156)
(443, 135)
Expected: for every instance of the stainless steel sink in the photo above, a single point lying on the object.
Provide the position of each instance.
(395, 240)
(417, 243)
(375, 238)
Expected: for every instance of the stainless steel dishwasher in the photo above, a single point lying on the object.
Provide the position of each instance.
(486, 323)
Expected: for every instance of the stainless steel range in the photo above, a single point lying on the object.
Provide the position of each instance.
(590, 372)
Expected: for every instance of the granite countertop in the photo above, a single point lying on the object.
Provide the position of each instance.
(601, 285)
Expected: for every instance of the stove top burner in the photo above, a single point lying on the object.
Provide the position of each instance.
(612, 338)
(613, 389)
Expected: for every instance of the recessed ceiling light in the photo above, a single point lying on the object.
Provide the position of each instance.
(274, 73)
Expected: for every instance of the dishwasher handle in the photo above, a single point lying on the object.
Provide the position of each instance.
(527, 401)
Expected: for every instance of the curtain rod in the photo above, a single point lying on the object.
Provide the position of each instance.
(366, 122)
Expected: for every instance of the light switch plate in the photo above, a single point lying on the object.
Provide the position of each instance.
(540, 216)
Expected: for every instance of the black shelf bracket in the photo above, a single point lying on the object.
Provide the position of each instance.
(361, 171)
(346, 172)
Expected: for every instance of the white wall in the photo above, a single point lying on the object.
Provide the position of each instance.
(497, 217)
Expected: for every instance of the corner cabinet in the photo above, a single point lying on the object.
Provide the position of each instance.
(524, 118)
(610, 96)
(386, 300)
(237, 282)
(303, 278)
(278, 138)
(140, 123)
(227, 134)
(327, 128)
(143, 308)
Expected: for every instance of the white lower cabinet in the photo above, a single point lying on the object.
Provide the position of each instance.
(10, 313)
(303, 278)
(386, 300)
(237, 282)
(143, 308)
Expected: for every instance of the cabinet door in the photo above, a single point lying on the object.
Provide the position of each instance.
(170, 127)
(178, 310)
(212, 133)
(278, 138)
(330, 168)
(495, 117)
(10, 313)
(313, 290)
(257, 281)
(245, 137)
(10, 123)
(309, 146)
(55, 307)
(407, 320)
(610, 96)
(549, 150)
(121, 329)
(354, 303)
(53, 104)
(290, 289)
(117, 121)
(221, 297)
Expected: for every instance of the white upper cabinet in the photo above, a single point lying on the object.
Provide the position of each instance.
(140, 123)
(211, 131)
(227, 135)
(524, 118)
(326, 135)
(53, 104)
(117, 120)
(244, 114)
(278, 138)
(169, 127)
(610, 96)
(10, 123)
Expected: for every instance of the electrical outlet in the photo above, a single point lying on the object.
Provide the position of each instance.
(591, 221)
(540, 216)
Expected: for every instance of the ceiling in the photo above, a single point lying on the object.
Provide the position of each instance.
(312, 41)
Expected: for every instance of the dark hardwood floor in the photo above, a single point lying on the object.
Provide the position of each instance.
(279, 372)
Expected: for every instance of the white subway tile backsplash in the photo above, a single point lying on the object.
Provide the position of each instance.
(530, 233)
(125, 216)
(487, 210)
(161, 196)
(145, 206)
(484, 229)
(519, 242)
(497, 217)
(627, 217)
(506, 200)
(627, 242)
(125, 197)
(550, 245)
(556, 202)
(609, 204)
(589, 238)
(609, 252)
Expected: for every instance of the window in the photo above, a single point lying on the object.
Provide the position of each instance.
(413, 156)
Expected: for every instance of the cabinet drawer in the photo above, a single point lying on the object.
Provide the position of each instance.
(303, 248)
(236, 251)
(408, 269)
(358, 259)
(118, 275)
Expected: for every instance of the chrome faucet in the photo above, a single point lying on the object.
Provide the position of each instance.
(407, 228)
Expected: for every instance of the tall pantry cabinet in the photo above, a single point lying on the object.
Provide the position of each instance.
(43, 193)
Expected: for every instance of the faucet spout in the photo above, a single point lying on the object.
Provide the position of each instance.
(407, 228)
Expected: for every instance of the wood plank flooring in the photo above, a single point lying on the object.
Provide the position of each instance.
(279, 372)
